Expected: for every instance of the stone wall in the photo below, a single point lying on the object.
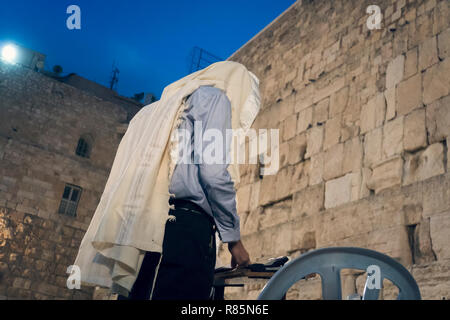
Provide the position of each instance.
(364, 120)
(41, 120)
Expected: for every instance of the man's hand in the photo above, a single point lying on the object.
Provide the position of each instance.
(239, 256)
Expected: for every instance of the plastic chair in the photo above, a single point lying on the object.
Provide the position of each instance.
(328, 262)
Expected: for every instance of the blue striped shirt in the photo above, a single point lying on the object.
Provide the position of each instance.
(208, 185)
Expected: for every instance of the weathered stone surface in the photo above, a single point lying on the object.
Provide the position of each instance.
(338, 101)
(304, 119)
(327, 91)
(267, 193)
(373, 113)
(297, 149)
(386, 175)
(308, 202)
(283, 179)
(300, 177)
(304, 98)
(316, 169)
(411, 63)
(277, 214)
(440, 237)
(394, 72)
(409, 94)
(314, 139)
(438, 120)
(428, 54)
(333, 162)
(415, 134)
(436, 82)
(425, 164)
(393, 137)
(444, 44)
(372, 147)
(390, 103)
(289, 127)
(320, 111)
(332, 132)
(353, 155)
(436, 195)
(243, 198)
(338, 191)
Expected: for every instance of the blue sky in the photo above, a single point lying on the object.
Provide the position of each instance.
(149, 40)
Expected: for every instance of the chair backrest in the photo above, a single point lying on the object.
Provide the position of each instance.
(328, 263)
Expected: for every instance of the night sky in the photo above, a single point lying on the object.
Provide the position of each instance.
(150, 40)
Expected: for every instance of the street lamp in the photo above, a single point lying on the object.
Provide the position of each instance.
(9, 53)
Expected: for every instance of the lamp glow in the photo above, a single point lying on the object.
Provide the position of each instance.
(9, 53)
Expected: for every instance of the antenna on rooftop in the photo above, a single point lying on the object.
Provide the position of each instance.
(200, 58)
(114, 77)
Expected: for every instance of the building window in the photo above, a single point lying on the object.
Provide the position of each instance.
(84, 147)
(69, 201)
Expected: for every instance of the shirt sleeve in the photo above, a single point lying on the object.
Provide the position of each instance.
(214, 111)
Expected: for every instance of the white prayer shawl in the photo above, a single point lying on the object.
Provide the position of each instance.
(133, 209)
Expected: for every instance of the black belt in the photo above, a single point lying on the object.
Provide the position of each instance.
(186, 205)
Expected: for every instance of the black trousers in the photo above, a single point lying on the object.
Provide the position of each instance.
(186, 266)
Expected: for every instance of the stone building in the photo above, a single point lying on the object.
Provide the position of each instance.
(364, 120)
(58, 138)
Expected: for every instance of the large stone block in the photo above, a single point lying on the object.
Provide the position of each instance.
(308, 202)
(275, 214)
(304, 98)
(436, 195)
(438, 120)
(316, 169)
(243, 198)
(304, 119)
(444, 44)
(332, 132)
(333, 162)
(440, 235)
(353, 155)
(289, 127)
(428, 54)
(373, 113)
(300, 177)
(436, 82)
(267, 193)
(394, 72)
(411, 63)
(386, 175)
(314, 139)
(372, 147)
(390, 96)
(283, 181)
(415, 134)
(338, 191)
(409, 94)
(393, 137)
(338, 101)
(425, 164)
(334, 86)
(297, 149)
(320, 111)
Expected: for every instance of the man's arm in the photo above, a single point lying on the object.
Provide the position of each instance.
(214, 178)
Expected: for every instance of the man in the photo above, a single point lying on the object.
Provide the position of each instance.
(153, 232)
(204, 199)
